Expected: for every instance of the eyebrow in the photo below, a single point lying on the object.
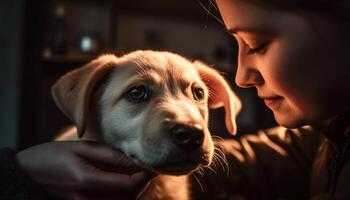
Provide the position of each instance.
(151, 76)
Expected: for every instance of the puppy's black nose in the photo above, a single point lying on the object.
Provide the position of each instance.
(187, 137)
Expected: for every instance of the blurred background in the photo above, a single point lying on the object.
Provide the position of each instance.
(43, 39)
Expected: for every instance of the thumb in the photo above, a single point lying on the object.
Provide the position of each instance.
(106, 158)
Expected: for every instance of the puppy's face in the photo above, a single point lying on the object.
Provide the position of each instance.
(155, 109)
(153, 106)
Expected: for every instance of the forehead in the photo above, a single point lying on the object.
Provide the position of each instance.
(162, 63)
(241, 15)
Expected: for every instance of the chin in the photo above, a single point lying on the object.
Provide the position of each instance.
(289, 121)
(295, 118)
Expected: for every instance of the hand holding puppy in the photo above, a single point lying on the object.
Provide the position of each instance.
(83, 170)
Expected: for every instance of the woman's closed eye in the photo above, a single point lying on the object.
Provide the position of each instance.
(261, 49)
(248, 40)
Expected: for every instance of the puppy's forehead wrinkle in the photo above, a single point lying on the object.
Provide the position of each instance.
(171, 75)
(159, 60)
(141, 69)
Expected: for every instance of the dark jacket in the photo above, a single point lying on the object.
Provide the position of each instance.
(280, 163)
(15, 184)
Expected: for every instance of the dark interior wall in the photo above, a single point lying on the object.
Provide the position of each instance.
(11, 13)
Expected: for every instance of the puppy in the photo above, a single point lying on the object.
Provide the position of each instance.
(153, 106)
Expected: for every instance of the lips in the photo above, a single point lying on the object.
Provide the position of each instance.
(273, 102)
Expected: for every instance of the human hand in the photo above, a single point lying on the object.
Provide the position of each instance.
(83, 170)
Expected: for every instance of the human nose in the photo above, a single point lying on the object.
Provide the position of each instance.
(247, 75)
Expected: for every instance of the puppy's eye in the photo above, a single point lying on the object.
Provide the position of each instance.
(138, 94)
(198, 94)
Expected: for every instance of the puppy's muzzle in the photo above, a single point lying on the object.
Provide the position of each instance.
(188, 149)
(187, 137)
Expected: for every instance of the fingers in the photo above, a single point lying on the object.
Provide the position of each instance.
(94, 183)
(74, 169)
(92, 176)
(95, 151)
(105, 157)
(102, 180)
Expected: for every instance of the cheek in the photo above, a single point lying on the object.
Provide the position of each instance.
(154, 127)
(291, 71)
(122, 121)
(204, 112)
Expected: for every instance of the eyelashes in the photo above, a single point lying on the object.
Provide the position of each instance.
(261, 49)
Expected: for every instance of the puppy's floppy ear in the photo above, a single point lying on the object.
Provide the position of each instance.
(220, 94)
(72, 91)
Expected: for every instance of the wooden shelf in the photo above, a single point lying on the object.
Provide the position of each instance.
(74, 56)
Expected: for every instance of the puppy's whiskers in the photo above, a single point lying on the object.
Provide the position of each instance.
(219, 159)
(198, 181)
(219, 154)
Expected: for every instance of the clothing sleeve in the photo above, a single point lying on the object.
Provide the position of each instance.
(271, 164)
(15, 184)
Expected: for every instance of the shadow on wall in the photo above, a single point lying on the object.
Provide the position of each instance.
(10, 55)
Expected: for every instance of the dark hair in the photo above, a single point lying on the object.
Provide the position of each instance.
(294, 4)
(333, 9)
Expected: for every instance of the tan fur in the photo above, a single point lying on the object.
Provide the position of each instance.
(94, 98)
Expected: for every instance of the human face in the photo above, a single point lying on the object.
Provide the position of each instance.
(293, 66)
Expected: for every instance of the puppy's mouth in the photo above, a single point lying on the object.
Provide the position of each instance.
(180, 167)
(132, 164)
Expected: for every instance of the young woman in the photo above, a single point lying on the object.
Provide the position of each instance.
(295, 53)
